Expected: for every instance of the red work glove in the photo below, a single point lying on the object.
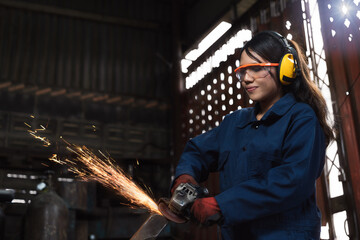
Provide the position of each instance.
(206, 211)
(185, 178)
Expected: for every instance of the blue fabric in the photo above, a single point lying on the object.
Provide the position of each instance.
(268, 170)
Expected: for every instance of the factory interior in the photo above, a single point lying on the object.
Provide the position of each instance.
(125, 84)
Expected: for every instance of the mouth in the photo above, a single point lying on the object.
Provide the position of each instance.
(250, 89)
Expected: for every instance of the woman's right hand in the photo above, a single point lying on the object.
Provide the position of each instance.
(185, 178)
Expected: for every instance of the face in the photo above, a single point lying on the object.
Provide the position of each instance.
(264, 89)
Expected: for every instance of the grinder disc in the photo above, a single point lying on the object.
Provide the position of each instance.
(166, 212)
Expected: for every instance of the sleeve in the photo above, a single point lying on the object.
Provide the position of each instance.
(284, 186)
(200, 156)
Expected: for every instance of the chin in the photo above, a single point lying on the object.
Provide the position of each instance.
(255, 98)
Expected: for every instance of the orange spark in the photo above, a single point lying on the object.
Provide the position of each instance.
(88, 166)
(108, 174)
(36, 135)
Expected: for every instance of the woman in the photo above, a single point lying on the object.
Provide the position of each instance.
(269, 156)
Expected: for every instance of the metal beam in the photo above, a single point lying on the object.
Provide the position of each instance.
(80, 14)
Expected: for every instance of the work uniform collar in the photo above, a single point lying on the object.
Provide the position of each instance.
(275, 112)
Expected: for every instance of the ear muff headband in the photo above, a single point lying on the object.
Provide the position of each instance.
(288, 65)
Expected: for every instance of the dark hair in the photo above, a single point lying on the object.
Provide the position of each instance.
(271, 48)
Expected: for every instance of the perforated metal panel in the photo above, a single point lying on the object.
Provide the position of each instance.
(218, 94)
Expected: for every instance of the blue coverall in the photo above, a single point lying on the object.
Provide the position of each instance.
(268, 170)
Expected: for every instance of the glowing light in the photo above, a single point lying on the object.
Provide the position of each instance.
(14, 175)
(288, 25)
(18, 201)
(344, 9)
(347, 23)
(209, 40)
(325, 232)
(214, 35)
(185, 63)
(341, 225)
(333, 33)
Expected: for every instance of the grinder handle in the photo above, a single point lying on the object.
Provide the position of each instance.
(201, 191)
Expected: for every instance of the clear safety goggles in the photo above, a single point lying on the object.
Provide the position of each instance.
(255, 70)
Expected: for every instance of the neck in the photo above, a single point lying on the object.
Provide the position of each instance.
(265, 106)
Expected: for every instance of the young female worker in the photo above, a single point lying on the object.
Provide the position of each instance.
(270, 155)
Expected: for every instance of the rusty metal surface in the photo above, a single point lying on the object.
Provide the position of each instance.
(341, 48)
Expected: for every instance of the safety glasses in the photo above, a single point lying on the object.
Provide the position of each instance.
(255, 70)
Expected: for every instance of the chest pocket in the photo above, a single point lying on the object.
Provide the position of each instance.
(263, 150)
(233, 168)
(260, 162)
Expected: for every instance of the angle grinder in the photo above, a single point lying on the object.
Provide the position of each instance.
(177, 209)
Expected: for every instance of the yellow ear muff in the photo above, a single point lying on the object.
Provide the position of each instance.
(287, 72)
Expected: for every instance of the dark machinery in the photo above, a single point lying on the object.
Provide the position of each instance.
(6, 195)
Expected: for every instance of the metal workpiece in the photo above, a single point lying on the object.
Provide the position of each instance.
(151, 228)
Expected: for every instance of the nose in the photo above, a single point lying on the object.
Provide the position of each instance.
(247, 77)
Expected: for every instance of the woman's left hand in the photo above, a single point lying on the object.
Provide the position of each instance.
(206, 211)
